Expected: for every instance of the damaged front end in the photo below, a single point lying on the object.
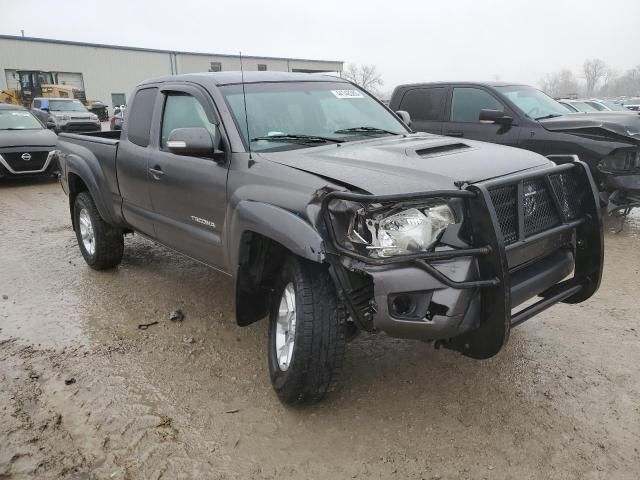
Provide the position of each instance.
(453, 265)
(620, 172)
(617, 172)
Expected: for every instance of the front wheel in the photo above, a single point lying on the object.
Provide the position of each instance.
(101, 244)
(306, 333)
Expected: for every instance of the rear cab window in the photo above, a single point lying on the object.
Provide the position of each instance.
(140, 116)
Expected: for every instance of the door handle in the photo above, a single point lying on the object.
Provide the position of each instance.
(454, 134)
(156, 172)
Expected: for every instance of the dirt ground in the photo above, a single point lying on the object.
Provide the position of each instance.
(85, 394)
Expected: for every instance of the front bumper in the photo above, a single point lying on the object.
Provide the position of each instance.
(624, 192)
(465, 292)
(78, 126)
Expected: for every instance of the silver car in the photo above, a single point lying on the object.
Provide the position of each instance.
(65, 115)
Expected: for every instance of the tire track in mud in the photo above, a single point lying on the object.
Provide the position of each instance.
(103, 427)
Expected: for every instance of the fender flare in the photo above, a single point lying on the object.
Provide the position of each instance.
(92, 178)
(278, 224)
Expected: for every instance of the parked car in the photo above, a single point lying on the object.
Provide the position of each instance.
(632, 104)
(578, 105)
(522, 116)
(26, 146)
(65, 115)
(605, 105)
(571, 108)
(333, 217)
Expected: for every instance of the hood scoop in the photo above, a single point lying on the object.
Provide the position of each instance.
(438, 150)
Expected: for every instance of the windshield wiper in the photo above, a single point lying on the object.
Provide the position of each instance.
(297, 138)
(551, 115)
(365, 130)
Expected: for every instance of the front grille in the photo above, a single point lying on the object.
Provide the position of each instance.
(543, 204)
(15, 161)
(539, 212)
(505, 202)
(570, 192)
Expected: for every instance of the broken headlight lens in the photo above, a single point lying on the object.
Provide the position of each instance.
(621, 161)
(409, 231)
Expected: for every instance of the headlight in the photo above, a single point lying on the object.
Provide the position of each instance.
(94, 116)
(60, 116)
(623, 160)
(405, 232)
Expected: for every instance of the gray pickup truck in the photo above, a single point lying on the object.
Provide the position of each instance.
(332, 216)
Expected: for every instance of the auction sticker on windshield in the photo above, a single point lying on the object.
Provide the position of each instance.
(347, 94)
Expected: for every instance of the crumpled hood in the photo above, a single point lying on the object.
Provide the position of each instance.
(27, 138)
(415, 163)
(610, 125)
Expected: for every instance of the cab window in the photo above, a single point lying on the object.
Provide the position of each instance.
(423, 103)
(183, 111)
(467, 103)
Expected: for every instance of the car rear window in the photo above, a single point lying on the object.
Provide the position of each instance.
(140, 115)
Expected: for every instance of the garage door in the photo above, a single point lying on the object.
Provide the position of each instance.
(71, 79)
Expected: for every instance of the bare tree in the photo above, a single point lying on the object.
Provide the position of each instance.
(627, 83)
(560, 84)
(593, 70)
(366, 76)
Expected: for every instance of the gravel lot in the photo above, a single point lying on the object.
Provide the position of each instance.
(86, 394)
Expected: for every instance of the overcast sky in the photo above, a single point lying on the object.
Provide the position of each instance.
(408, 41)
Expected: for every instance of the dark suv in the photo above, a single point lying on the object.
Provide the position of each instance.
(522, 116)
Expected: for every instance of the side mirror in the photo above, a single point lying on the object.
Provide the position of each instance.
(195, 141)
(51, 125)
(404, 116)
(495, 116)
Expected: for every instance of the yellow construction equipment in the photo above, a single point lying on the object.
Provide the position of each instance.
(36, 83)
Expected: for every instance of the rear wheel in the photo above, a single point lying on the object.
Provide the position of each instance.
(306, 333)
(101, 244)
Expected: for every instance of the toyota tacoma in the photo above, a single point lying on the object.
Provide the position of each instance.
(332, 217)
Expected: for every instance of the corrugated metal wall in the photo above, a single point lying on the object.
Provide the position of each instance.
(107, 70)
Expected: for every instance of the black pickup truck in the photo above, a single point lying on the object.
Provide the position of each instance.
(332, 217)
(522, 116)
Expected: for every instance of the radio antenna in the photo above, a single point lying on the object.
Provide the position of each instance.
(244, 98)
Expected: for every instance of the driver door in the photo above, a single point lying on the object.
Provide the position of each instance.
(464, 106)
(188, 193)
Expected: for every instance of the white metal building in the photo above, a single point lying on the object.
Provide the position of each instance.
(109, 73)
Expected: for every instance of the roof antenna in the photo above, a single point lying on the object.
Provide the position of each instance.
(246, 117)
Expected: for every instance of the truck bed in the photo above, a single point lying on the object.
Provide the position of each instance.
(108, 136)
(95, 152)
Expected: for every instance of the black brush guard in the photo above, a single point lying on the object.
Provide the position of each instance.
(491, 251)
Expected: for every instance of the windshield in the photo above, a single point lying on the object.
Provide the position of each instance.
(583, 107)
(533, 102)
(597, 106)
(285, 115)
(18, 120)
(66, 106)
(614, 106)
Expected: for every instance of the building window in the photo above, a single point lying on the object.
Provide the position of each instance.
(215, 67)
(262, 67)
